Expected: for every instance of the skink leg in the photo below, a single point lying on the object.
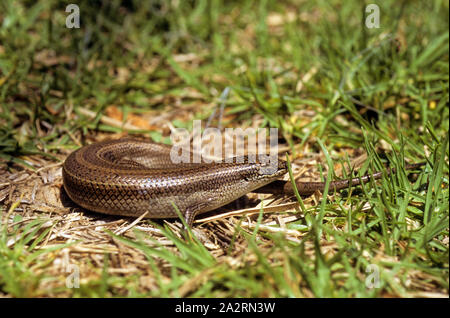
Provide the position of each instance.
(192, 211)
(189, 216)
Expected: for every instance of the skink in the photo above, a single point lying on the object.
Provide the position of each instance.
(131, 177)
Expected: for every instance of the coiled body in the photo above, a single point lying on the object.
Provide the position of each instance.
(130, 177)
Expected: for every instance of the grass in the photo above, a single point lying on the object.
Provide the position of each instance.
(334, 89)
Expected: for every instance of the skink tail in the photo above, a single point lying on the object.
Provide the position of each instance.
(308, 188)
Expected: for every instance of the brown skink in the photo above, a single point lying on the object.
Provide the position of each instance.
(131, 177)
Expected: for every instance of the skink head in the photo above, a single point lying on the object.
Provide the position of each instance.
(266, 172)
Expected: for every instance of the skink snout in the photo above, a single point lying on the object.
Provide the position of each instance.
(273, 168)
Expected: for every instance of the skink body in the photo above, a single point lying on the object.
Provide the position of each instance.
(131, 177)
